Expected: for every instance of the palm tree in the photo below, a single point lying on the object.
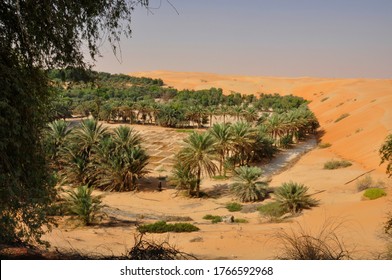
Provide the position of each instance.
(183, 178)
(294, 198)
(125, 137)
(211, 111)
(276, 126)
(55, 139)
(246, 186)
(243, 138)
(237, 111)
(198, 154)
(224, 111)
(221, 133)
(76, 157)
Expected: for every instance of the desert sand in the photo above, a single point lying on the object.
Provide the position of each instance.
(356, 138)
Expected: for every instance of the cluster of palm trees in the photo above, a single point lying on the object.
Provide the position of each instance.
(88, 154)
(229, 145)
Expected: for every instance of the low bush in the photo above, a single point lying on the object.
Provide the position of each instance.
(335, 164)
(162, 226)
(272, 211)
(374, 193)
(367, 183)
(240, 221)
(234, 207)
(213, 219)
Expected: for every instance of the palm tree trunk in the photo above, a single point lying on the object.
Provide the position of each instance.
(198, 182)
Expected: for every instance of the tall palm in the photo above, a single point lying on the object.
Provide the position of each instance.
(237, 111)
(211, 111)
(276, 125)
(55, 139)
(224, 111)
(199, 154)
(125, 136)
(246, 186)
(222, 135)
(243, 138)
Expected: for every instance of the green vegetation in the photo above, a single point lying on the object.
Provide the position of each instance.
(374, 193)
(324, 145)
(341, 117)
(220, 177)
(335, 164)
(162, 227)
(81, 204)
(240, 221)
(293, 197)
(246, 186)
(185, 130)
(213, 219)
(272, 211)
(234, 207)
(386, 154)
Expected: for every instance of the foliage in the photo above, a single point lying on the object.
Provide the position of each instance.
(198, 155)
(386, 154)
(246, 186)
(182, 178)
(83, 205)
(272, 210)
(335, 164)
(368, 182)
(213, 219)
(233, 207)
(293, 197)
(342, 116)
(374, 193)
(302, 244)
(161, 227)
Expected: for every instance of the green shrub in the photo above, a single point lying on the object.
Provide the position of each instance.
(324, 145)
(342, 116)
(234, 207)
(213, 219)
(82, 205)
(246, 186)
(374, 193)
(240, 221)
(293, 197)
(272, 210)
(162, 226)
(335, 164)
(286, 141)
(367, 183)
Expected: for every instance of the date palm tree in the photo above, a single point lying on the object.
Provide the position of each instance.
(55, 139)
(243, 139)
(246, 186)
(223, 138)
(294, 197)
(198, 154)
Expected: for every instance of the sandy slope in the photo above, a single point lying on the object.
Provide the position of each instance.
(356, 138)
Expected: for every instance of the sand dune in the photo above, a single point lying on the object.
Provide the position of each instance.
(356, 138)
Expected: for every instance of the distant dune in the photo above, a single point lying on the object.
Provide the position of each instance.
(356, 137)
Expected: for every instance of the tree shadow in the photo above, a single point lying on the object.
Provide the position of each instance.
(218, 191)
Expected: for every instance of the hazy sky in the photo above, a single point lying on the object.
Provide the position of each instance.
(319, 38)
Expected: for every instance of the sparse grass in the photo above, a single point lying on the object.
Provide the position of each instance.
(335, 164)
(240, 221)
(272, 211)
(213, 219)
(303, 244)
(162, 226)
(342, 116)
(234, 207)
(374, 193)
(368, 182)
(324, 145)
